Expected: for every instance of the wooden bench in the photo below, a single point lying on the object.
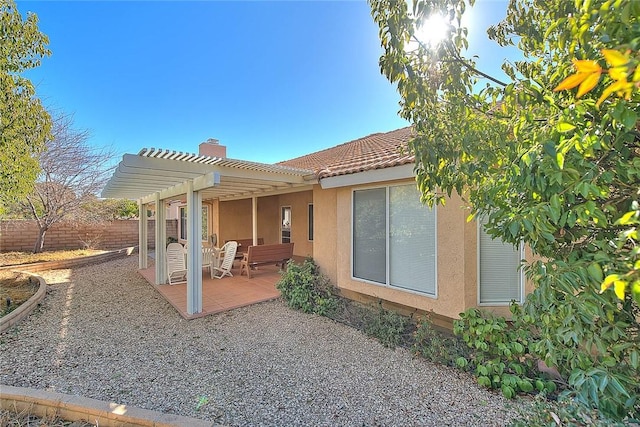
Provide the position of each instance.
(265, 254)
(243, 244)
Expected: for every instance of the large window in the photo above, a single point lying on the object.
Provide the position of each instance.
(205, 223)
(394, 238)
(500, 270)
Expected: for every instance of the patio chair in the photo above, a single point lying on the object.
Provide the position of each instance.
(208, 253)
(176, 264)
(228, 254)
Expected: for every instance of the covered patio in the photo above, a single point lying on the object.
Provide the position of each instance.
(220, 295)
(158, 177)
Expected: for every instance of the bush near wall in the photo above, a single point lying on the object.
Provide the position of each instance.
(20, 235)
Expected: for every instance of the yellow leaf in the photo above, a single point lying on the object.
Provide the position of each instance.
(587, 66)
(618, 73)
(615, 58)
(608, 281)
(614, 87)
(619, 286)
(588, 84)
(571, 81)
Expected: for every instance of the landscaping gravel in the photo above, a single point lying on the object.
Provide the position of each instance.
(103, 332)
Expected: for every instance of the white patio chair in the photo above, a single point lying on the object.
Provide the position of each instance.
(223, 268)
(176, 264)
(208, 254)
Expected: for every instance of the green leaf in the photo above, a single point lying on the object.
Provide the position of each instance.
(508, 391)
(595, 272)
(629, 118)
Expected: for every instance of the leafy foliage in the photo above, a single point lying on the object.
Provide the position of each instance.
(24, 123)
(387, 326)
(439, 346)
(305, 288)
(500, 355)
(546, 164)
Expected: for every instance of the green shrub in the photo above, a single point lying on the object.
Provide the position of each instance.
(500, 356)
(438, 346)
(565, 413)
(305, 288)
(387, 326)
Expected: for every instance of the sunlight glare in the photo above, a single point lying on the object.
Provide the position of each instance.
(432, 30)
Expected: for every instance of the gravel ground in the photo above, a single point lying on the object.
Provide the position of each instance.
(103, 332)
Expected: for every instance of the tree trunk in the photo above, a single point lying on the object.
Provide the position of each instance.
(40, 241)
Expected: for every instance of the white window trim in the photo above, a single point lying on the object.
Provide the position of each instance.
(310, 222)
(184, 206)
(521, 275)
(180, 208)
(387, 272)
(290, 221)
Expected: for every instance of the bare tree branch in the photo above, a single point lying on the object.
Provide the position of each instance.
(73, 173)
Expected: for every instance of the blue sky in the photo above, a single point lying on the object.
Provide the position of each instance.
(269, 80)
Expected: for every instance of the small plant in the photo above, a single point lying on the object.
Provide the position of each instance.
(499, 353)
(305, 288)
(438, 346)
(387, 326)
(202, 400)
(565, 413)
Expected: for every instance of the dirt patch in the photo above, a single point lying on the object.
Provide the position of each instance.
(15, 289)
(8, 418)
(17, 258)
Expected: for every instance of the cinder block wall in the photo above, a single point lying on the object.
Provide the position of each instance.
(21, 235)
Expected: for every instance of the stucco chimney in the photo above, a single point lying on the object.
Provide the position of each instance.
(212, 148)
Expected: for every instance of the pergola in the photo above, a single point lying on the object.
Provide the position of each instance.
(154, 176)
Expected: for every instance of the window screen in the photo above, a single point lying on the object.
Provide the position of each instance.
(500, 273)
(393, 229)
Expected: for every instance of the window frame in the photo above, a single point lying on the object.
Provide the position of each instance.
(387, 283)
(310, 228)
(521, 276)
(183, 228)
(282, 227)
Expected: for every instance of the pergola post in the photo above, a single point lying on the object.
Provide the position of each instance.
(161, 241)
(142, 235)
(194, 250)
(254, 219)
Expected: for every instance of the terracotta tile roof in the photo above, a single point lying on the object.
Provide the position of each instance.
(376, 151)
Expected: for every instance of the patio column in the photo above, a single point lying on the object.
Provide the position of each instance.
(254, 219)
(194, 250)
(142, 235)
(161, 241)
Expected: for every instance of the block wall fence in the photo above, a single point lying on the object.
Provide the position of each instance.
(21, 235)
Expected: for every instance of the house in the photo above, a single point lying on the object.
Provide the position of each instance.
(354, 208)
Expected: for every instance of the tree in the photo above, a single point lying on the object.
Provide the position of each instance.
(558, 169)
(24, 123)
(72, 174)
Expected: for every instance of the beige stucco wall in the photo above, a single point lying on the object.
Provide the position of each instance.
(235, 220)
(452, 285)
(268, 223)
(299, 203)
(457, 256)
(325, 239)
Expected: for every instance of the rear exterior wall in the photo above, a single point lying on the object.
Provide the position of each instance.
(21, 235)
